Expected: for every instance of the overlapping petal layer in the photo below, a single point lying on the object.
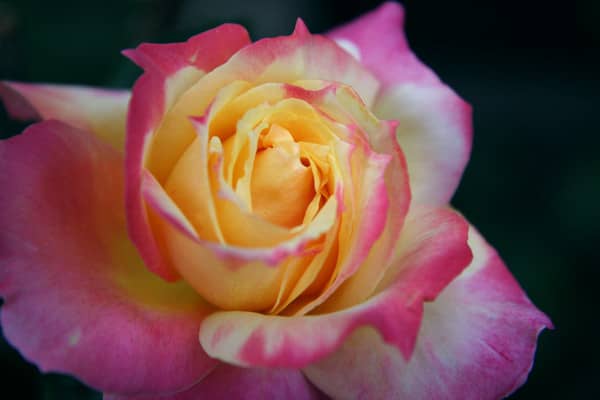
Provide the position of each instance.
(159, 134)
(477, 341)
(432, 252)
(77, 297)
(213, 187)
(157, 90)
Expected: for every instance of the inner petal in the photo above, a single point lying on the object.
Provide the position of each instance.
(282, 182)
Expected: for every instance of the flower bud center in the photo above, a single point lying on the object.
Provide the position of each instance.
(282, 184)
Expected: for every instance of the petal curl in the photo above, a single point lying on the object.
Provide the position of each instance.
(288, 59)
(169, 70)
(284, 59)
(95, 110)
(77, 297)
(234, 383)
(364, 213)
(432, 253)
(435, 124)
(477, 341)
(231, 277)
(343, 104)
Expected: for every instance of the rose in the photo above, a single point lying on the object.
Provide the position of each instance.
(303, 237)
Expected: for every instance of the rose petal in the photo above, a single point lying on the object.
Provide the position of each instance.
(303, 56)
(280, 59)
(204, 51)
(477, 341)
(170, 70)
(240, 278)
(377, 40)
(363, 217)
(231, 277)
(361, 165)
(233, 383)
(435, 124)
(432, 253)
(344, 105)
(284, 59)
(77, 297)
(99, 111)
(166, 77)
(435, 133)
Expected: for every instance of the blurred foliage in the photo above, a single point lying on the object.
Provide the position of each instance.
(532, 186)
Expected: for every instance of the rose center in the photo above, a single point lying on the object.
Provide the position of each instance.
(282, 181)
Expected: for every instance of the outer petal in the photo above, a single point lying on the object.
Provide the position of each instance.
(435, 124)
(99, 111)
(204, 51)
(434, 251)
(477, 341)
(169, 70)
(377, 40)
(435, 133)
(227, 382)
(77, 297)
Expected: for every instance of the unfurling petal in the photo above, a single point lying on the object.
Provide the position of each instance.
(435, 133)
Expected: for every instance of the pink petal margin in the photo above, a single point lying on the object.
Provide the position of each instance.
(477, 341)
(95, 110)
(227, 382)
(433, 254)
(435, 124)
(77, 297)
(205, 51)
(377, 40)
(148, 105)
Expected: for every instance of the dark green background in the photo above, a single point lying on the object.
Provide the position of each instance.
(530, 70)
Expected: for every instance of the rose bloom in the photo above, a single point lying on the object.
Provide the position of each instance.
(257, 220)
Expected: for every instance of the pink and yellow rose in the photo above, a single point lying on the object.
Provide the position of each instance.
(257, 220)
